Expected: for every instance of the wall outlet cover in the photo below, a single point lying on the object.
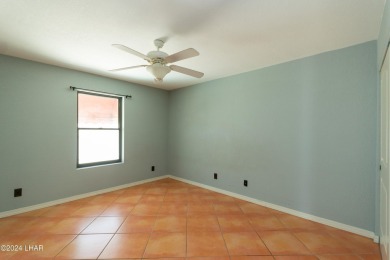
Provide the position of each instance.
(18, 192)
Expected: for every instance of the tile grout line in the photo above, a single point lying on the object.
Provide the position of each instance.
(111, 236)
(154, 223)
(220, 230)
(308, 249)
(76, 236)
(66, 246)
(257, 233)
(186, 253)
(105, 246)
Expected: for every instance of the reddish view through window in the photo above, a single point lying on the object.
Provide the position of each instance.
(98, 123)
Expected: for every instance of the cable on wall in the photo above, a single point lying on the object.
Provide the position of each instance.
(95, 91)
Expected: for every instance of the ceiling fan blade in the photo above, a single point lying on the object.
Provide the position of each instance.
(181, 55)
(131, 51)
(127, 68)
(186, 71)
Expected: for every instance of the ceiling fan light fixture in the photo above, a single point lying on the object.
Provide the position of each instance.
(158, 70)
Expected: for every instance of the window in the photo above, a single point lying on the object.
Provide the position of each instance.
(99, 129)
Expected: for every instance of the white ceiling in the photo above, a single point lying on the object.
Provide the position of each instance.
(232, 36)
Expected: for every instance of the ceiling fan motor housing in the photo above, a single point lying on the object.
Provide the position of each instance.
(157, 56)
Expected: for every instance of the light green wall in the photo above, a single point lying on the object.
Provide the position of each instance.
(303, 134)
(38, 133)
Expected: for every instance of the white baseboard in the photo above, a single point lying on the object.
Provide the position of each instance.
(324, 221)
(77, 197)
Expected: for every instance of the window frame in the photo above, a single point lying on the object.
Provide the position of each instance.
(120, 129)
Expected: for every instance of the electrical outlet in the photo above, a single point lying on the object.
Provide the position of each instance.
(215, 176)
(18, 192)
(152, 168)
(245, 183)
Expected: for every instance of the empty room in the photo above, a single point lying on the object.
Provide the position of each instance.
(194, 130)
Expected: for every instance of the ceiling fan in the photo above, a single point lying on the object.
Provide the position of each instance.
(158, 61)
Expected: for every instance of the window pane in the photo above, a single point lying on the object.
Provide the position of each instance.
(97, 111)
(98, 145)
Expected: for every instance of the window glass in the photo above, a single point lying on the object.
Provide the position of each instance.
(99, 133)
(97, 112)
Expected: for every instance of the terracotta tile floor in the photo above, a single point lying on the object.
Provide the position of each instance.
(168, 219)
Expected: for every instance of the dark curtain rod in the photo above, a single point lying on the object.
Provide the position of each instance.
(94, 91)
